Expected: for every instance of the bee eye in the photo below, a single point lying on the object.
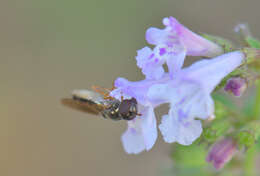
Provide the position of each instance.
(132, 109)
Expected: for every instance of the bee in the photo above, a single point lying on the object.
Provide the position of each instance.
(98, 102)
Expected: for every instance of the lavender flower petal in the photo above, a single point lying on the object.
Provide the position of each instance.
(141, 133)
(174, 32)
(150, 64)
(189, 93)
(174, 129)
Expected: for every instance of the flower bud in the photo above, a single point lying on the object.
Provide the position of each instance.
(236, 86)
(222, 152)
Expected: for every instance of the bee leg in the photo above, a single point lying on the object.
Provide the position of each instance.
(104, 114)
(108, 97)
(111, 89)
(113, 86)
(139, 114)
(98, 90)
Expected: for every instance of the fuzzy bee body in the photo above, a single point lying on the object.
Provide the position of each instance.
(93, 103)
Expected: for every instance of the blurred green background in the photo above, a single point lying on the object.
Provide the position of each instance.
(50, 47)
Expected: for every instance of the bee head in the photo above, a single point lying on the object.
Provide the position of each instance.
(128, 109)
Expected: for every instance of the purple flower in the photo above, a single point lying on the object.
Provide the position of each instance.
(177, 36)
(188, 94)
(222, 152)
(172, 44)
(236, 86)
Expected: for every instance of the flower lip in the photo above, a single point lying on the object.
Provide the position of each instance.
(141, 133)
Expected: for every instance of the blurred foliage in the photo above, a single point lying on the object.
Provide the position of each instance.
(217, 129)
(252, 42)
(248, 106)
(184, 155)
(189, 160)
(245, 139)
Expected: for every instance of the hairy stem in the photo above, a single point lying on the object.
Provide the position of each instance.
(257, 101)
(249, 163)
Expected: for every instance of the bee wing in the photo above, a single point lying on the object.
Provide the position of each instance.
(83, 95)
(88, 107)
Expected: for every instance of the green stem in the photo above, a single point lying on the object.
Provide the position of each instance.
(257, 101)
(249, 163)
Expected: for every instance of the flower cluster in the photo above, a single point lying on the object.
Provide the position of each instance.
(186, 90)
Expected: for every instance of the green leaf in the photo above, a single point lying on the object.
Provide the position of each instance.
(254, 126)
(245, 138)
(215, 130)
(249, 134)
(252, 42)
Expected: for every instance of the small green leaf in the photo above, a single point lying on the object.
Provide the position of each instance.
(209, 135)
(249, 134)
(215, 130)
(254, 126)
(252, 42)
(245, 138)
